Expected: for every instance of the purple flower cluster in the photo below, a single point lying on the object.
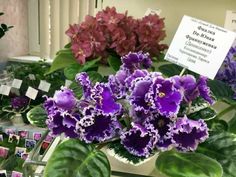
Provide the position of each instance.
(148, 102)
(110, 30)
(19, 103)
(227, 72)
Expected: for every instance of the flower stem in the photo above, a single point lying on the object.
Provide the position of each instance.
(225, 111)
(182, 72)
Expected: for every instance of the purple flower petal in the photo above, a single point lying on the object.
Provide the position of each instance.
(98, 127)
(105, 100)
(187, 134)
(139, 141)
(65, 99)
(204, 90)
(84, 81)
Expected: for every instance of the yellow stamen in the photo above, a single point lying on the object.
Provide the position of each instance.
(161, 94)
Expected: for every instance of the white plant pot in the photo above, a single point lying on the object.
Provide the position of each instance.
(122, 165)
(17, 120)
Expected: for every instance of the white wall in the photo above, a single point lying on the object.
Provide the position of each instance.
(15, 42)
(210, 10)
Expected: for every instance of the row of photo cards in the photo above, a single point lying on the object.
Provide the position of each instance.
(3, 173)
(29, 144)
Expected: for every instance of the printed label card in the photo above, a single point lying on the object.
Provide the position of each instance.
(200, 46)
(16, 83)
(44, 86)
(5, 90)
(31, 93)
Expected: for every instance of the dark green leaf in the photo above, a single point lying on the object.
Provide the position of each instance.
(90, 64)
(63, 59)
(67, 45)
(37, 116)
(114, 62)
(71, 71)
(95, 76)
(232, 125)
(221, 90)
(119, 149)
(206, 114)
(222, 147)
(74, 158)
(217, 125)
(77, 89)
(12, 163)
(4, 27)
(174, 164)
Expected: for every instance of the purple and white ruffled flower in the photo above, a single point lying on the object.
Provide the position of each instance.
(105, 100)
(163, 125)
(166, 97)
(84, 81)
(187, 134)
(191, 89)
(62, 122)
(97, 127)
(136, 60)
(139, 140)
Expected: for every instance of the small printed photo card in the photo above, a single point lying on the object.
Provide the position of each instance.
(29, 143)
(5, 90)
(3, 152)
(1, 137)
(31, 93)
(24, 156)
(9, 131)
(3, 173)
(37, 135)
(23, 133)
(48, 138)
(16, 83)
(19, 151)
(32, 77)
(14, 138)
(16, 174)
(44, 86)
(68, 83)
(44, 147)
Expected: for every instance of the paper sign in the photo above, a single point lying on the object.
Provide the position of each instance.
(16, 83)
(230, 20)
(44, 86)
(31, 93)
(5, 90)
(200, 46)
(68, 83)
(32, 77)
(152, 11)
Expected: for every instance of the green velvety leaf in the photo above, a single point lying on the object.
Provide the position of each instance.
(216, 125)
(114, 62)
(206, 114)
(90, 64)
(12, 163)
(221, 90)
(37, 116)
(222, 147)
(174, 164)
(71, 71)
(74, 158)
(63, 59)
(232, 125)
